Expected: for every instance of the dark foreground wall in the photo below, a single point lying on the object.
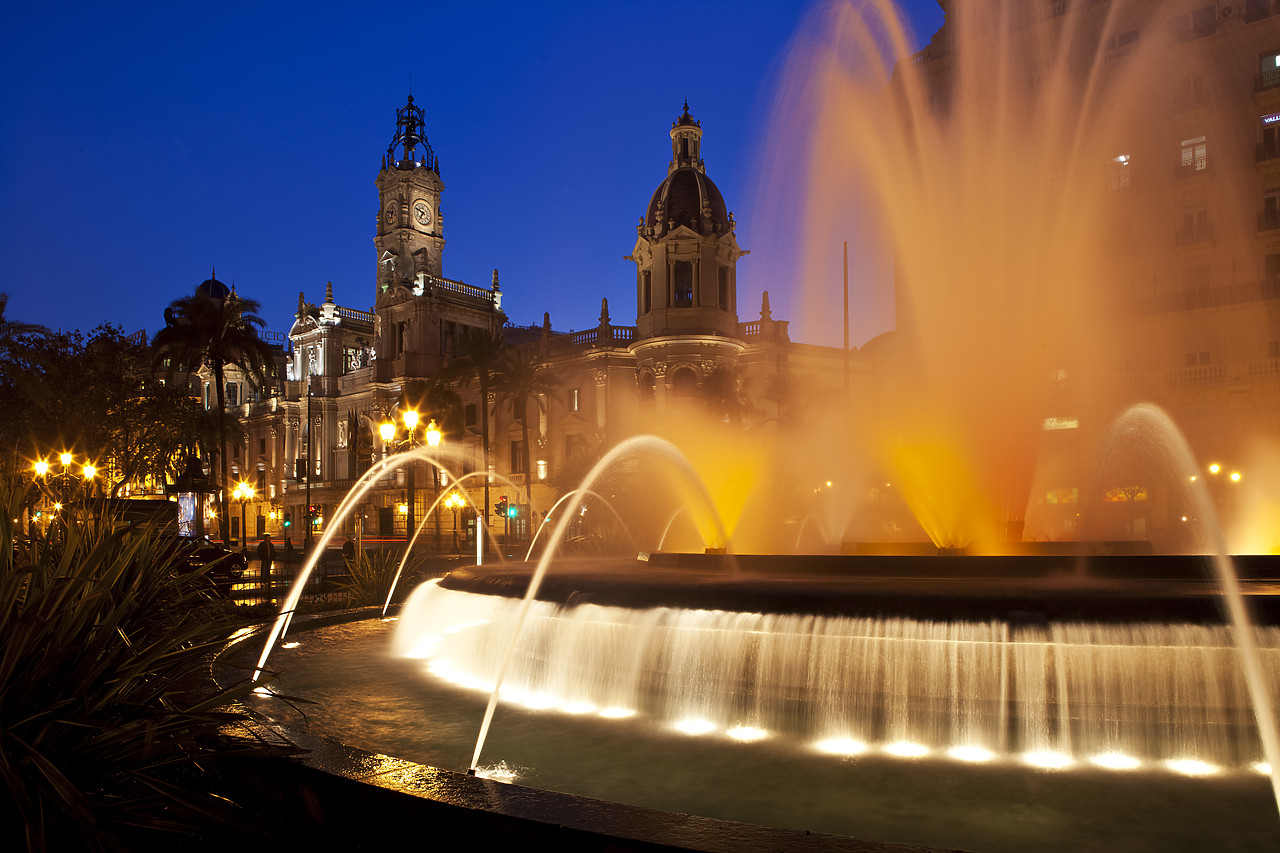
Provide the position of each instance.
(336, 797)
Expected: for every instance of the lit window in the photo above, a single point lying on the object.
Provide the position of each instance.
(1194, 154)
(575, 400)
(1118, 174)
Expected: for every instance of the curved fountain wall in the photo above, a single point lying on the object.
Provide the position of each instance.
(1048, 695)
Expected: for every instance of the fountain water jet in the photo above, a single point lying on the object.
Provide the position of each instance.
(546, 519)
(632, 445)
(1171, 439)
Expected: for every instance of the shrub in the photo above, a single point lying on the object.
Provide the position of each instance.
(108, 727)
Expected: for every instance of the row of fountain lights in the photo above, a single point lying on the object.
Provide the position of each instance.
(846, 747)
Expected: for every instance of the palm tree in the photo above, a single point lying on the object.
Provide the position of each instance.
(481, 361)
(215, 329)
(524, 376)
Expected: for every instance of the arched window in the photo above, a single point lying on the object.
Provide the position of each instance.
(684, 382)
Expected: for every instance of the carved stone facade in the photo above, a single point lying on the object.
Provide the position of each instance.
(350, 366)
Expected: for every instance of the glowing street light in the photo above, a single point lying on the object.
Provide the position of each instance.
(455, 502)
(433, 433)
(244, 493)
(41, 468)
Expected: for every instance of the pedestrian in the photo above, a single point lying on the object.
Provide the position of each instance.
(288, 553)
(266, 556)
(349, 552)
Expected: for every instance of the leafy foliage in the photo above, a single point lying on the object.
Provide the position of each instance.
(107, 726)
(523, 376)
(92, 395)
(215, 332)
(371, 575)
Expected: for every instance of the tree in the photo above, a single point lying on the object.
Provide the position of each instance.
(481, 361)
(523, 376)
(215, 330)
(96, 398)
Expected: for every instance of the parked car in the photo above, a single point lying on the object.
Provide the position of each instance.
(225, 566)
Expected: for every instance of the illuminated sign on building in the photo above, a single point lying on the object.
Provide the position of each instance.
(1061, 423)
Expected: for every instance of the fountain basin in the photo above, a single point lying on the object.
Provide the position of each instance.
(327, 793)
(1047, 588)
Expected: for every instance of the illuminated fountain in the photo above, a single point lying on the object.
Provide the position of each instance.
(994, 200)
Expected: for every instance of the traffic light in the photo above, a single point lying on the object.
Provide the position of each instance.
(500, 508)
(288, 520)
(513, 510)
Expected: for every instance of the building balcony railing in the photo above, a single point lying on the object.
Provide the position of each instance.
(459, 288)
(1188, 235)
(1191, 169)
(1211, 297)
(1264, 151)
(605, 336)
(1269, 220)
(763, 329)
(1266, 367)
(1199, 373)
(354, 315)
(1268, 79)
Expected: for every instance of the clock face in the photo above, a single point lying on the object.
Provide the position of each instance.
(390, 215)
(422, 213)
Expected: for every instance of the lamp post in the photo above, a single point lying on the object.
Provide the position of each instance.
(433, 436)
(455, 502)
(243, 493)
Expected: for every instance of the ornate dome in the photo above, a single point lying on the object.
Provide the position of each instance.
(683, 198)
(213, 288)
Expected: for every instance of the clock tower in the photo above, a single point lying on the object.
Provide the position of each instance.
(410, 231)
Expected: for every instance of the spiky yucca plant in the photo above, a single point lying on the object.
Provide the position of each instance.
(370, 577)
(107, 725)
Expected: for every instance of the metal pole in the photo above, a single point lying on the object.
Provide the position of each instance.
(306, 537)
(846, 325)
(410, 526)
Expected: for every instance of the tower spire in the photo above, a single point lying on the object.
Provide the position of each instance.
(411, 132)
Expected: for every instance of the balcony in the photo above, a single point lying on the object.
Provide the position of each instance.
(1191, 169)
(1264, 151)
(1269, 220)
(1267, 80)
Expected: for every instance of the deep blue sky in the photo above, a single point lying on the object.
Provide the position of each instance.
(141, 144)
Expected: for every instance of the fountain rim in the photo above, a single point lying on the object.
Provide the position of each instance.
(1021, 590)
(527, 813)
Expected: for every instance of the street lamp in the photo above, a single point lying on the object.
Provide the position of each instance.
(455, 502)
(243, 493)
(434, 435)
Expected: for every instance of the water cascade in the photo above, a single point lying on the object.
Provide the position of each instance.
(1050, 696)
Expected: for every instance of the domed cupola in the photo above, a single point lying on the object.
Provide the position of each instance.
(213, 289)
(687, 197)
(686, 253)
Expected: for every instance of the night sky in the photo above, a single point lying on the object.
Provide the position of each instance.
(143, 144)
